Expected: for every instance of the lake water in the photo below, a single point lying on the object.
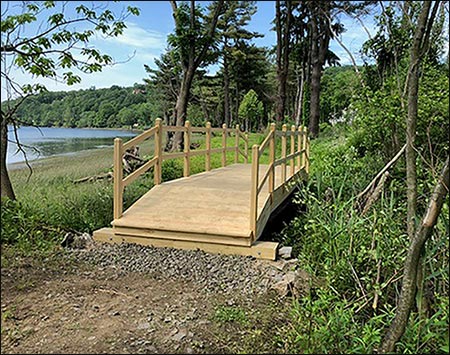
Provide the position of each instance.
(49, 141)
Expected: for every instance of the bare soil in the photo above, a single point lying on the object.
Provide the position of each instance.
(51, 304)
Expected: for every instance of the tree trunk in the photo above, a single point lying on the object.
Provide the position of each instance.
(408, 292)
(226, 87)
(299, 97)
(283, 48)
(181, 107)
(411, 120)
(314, 103)
(6, 186)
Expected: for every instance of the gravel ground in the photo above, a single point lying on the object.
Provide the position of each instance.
(212, 272)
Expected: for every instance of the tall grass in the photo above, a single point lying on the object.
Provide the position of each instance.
(356, 261)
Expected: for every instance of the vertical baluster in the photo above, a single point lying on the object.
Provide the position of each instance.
(118, 176)
(208, 147)
(272, 160)
(187, 148)
(236, 152)
(224, 145)
(158, 151)
(254, 191)
(283, 154)
(292, 160)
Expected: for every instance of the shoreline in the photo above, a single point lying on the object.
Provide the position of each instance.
(20, 165)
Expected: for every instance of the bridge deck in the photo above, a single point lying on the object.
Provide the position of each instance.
(209, 211)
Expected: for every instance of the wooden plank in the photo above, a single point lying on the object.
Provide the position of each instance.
(187, 148)
(265, 143)
(174, 129)
(197, 152)
(118, 176)
(236, 143)
(299, 145)
(139, 139)
(259, 250)
(246, 148)
(264, 179)
(198, 129)
(135, 174)
(272, 160)
(224, 145)
(243, 136)
(283, 154)
(254, 191)
(208, 147)
(292, 164)
(182, 235)
(158, 152)
(168, 156)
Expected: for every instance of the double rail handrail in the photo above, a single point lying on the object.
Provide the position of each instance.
(159, 155)
(299, 153)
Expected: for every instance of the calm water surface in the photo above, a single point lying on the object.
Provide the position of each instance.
(49, 141)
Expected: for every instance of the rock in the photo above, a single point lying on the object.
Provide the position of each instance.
(72, 240)
(144, 325)
(180, 335)
(285, 252)
(294, 283)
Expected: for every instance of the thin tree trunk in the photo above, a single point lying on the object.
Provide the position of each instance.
(226, 86)
(314, 103)
(300, 95)
(6, 186)
(181, 107)
(411, 121)
(283, 48)
(408, 292)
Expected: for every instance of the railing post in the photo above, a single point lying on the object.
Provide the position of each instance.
(283, 154)
(208, 147)
(246, 148)
(306, 143)
(299, 146)
(254, 190)
(236, 152)
(292, 161)
(158, 152)
(118, 176)
(187, 148)
(272, 160)
(224, 145)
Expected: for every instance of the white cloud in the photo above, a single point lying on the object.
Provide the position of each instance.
(138, 37)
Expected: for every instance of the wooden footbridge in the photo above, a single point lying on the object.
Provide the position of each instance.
(221, 210)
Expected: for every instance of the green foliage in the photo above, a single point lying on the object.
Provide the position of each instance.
(54, 50)
(113, 107)
(382, 131)
(23, 227)
(226, 314)
(250, 110)
(346, 253)
(339, 87)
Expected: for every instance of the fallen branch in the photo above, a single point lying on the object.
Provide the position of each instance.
(375, 194)
(108, 175)
(375, 179)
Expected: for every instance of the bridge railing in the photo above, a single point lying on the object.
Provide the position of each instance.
(157, 132)
(298, 160)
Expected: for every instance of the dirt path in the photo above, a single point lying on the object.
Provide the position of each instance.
(53, 305)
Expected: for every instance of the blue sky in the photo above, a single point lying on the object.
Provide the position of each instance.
(145, 39)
